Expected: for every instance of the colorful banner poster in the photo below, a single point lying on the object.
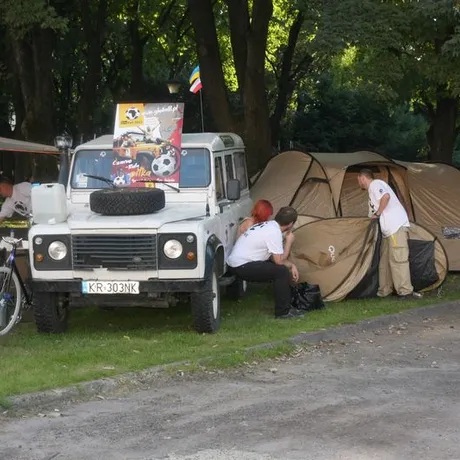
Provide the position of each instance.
(147, 144)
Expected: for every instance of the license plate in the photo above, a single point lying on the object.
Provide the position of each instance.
(110, 287)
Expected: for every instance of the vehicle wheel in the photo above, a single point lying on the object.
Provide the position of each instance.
(10, 300)
(238, 289)
(51, 312)
(126, 201)
(206, 306)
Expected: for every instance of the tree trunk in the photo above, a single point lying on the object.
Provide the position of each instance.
(212, 76)
(238, 12)
(256, 112)
(33, 64)
(33, 58)
(442, 132)
(94, 32)
(286, 81)
(137, 52)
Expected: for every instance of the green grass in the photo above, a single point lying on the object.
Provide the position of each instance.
(105, 343)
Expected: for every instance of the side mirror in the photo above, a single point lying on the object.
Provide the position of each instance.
(233, 189)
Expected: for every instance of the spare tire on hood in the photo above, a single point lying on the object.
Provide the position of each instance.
(126, 201)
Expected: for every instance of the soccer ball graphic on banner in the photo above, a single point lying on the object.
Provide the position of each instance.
(165, 165)
(132, 113)
(119, 181)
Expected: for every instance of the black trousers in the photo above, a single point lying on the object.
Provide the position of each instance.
(269, 271)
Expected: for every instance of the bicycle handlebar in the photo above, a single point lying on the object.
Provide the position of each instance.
(11, 240)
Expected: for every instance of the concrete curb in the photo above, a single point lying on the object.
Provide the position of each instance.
(106, 385)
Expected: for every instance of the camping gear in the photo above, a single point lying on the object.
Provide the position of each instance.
(324, 186)
(306, 297)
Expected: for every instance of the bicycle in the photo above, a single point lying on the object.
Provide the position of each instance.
(10, 309)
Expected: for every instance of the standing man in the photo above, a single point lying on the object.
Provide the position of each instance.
(17, 198)
(394, 271)
(250, 258)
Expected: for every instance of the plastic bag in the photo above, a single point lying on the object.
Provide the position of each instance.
(306, 297)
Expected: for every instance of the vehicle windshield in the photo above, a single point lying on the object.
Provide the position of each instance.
(195, 169)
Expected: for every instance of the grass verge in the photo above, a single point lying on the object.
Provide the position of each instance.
(105, 343)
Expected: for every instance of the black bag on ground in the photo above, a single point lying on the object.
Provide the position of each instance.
(306, 297)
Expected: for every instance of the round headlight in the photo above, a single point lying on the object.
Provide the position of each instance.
(57, 250)
(172, 249)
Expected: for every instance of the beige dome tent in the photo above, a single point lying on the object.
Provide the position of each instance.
(336, 246)
(341, 255)
(324, 185)
(435, 195)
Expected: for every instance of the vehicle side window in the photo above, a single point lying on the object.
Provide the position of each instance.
(240, 167)
(220, 190)
(229, 167)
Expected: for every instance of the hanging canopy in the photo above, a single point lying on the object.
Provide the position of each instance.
(13, 145)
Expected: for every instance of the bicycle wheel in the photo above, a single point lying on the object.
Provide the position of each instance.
(10, 299)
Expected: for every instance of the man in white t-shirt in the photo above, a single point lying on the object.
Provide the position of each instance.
(394, 271)
(258, 255)
(17, 198)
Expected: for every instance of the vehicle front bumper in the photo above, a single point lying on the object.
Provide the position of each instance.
(145, 287)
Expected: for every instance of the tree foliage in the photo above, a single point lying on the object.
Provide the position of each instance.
(331, 75)
(410, 47)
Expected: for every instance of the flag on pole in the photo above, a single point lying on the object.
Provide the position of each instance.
(195, 74)
(196, 86)
(195, 80)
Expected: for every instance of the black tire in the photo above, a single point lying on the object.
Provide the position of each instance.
(51, 312)
(206, 306)
(237, 290)
(126, 201)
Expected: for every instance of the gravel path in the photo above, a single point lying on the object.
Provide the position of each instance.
(390, 394)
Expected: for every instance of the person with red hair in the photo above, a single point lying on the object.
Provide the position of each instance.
(261, 212)
(259, 255)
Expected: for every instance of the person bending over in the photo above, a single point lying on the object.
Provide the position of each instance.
(17, 198)
(394, 223)
(258, 255)
(261, 211)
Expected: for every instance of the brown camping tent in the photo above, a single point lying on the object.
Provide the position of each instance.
(324, 185)
(337, 246)
(341, 255)
(435, 195)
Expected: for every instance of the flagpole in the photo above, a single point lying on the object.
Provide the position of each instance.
(201, 109)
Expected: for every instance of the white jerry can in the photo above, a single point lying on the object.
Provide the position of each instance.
(49, 204)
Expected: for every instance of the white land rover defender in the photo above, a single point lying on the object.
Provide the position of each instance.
(152, 247)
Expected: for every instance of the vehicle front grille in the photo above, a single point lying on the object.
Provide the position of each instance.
(114, 252)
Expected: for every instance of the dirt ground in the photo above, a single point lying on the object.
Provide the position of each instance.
(389, 394)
